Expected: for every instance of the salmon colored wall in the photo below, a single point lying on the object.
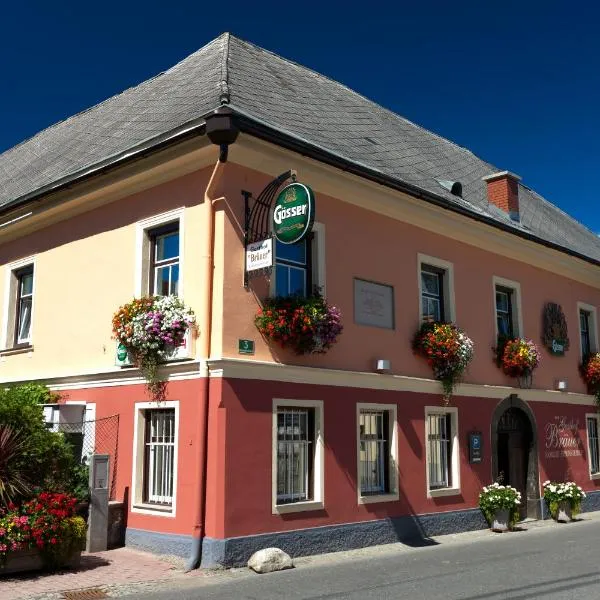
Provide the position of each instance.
(121, 400)
(246, 489)
(363, 244)
(85, 269)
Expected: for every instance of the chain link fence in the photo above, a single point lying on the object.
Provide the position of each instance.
(100, 436)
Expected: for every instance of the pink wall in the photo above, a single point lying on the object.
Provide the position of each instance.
(363, 244)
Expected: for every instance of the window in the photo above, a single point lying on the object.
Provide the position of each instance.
(507, 308)
(432, 294)
(24, 305)
(442, 451)
(377, 453)
(164, 260)
(159, 254)
(593, 445)
(587, 329)
(504, 312)
(298, 456)
(155, 457)
(436, 289)
(293, 268)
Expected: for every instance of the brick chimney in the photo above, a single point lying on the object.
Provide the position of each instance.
(503, 191)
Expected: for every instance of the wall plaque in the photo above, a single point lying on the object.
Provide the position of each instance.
(373, 304)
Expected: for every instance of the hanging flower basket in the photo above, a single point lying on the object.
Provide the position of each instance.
(447, 349)
(150, 327)
(590, 371)
(306, 325)
(517, 358)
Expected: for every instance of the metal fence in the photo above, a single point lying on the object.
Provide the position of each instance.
(100, 436)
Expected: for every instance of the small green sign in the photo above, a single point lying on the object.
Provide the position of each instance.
(294, 213)
(246, 346)
(122, 352)
(557, 347)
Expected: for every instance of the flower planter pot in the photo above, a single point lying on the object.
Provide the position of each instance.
(524, 381)
(500, 521)
(564, 513)
(31, 560)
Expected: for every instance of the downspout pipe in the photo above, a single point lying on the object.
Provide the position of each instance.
(222, 131)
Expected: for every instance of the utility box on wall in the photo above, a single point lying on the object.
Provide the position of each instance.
(97, 533)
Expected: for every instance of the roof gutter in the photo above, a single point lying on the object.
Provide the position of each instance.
(250, 125)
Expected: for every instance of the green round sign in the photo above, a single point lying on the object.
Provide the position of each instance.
(294, 213)
(121, 352)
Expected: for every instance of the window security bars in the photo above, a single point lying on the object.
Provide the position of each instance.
(440, 450)
(592, 427)
(164, 267)
(432, 294)
(504, 312)
(24, 306)
(160, 456)
(295, 449)
(584, 326)
(374, 443)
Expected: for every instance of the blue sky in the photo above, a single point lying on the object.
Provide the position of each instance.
(518, 83)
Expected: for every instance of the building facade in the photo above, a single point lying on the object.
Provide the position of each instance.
(309, 453)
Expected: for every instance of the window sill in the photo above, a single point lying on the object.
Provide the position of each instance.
(153, 509)
(595, 476)
(16, 350)
(378, 498)
(443, 492)
(282, 509)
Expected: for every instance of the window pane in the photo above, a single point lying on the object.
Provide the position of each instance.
(502, 301)
(373, 452)
(27, 284)
(504, 325)
(592, 424)
(160, 453)
(174, 289)
(439, 440)
(167, 246)
(282, 287)
(291, 252)
(430, 283)
(24, 331)
(162, 286)
(297, 282)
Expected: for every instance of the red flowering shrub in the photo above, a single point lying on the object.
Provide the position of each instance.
(307, 325)
(517, 357)
(590, 371)
(48, 523)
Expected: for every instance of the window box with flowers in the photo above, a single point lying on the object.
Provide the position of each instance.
(517, 358)
(305, 325)
(500, 506)
(43, 533)
(590, 371)
(150, 328)
(447, 349)
(563, 500)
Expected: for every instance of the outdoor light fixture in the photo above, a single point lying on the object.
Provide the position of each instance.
(561, 385)
(383, 365)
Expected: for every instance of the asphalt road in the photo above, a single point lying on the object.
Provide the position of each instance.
(551, 562)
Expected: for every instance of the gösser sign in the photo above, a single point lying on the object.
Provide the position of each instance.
(294, 213)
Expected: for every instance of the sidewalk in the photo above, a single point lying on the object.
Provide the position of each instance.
(125, 571)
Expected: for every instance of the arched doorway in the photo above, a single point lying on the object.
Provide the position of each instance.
(514, 452)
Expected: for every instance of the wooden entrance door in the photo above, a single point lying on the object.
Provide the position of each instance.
(514, 441)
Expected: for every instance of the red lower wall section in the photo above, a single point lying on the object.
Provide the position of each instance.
(239, 464)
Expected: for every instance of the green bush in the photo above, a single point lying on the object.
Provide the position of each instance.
(45, 458)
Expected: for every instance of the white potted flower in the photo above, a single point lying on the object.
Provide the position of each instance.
(500, 506)
(563, 499)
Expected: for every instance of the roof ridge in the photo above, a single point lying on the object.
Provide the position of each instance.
(224, 83)
(368, 100)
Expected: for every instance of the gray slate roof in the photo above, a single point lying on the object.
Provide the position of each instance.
(289, 98)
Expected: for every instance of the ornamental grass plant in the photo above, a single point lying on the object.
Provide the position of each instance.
(555, 493)
(150, 327)
(305, 325)
(495, 497)
(448, 351)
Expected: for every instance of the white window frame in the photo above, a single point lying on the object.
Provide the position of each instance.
(10, 298)
(593, 325)
(595, 416)
(137, 483)
(317, 503)
(393, 493)
(517, 313)
(448, 283)
(142, 229)
(317, 249)
(454, 490)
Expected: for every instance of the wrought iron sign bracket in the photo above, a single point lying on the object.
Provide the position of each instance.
(257, 217)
